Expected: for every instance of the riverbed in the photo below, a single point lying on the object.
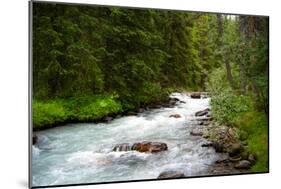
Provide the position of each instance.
(83, 152)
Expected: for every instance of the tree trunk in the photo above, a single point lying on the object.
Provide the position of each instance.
(224, 55)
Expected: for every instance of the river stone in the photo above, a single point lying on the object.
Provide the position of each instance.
(196, 133)
(235, 159)
(174, 99)
(202, 112)
(244, 164)
(195, 95)
(122, 147)
(152, 147)
(175, 116)
(252, 158)
(207, 145)
(171, 174)
(131, 113)
(141, 110)
(235, 149)
(218, 147)
(118, 116)
(108, 119)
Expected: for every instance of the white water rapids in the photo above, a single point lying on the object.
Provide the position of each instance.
(82, 153)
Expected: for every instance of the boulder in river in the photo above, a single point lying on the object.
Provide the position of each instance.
(244, 164)
(202, 112)
(152, 147)
(171, 174)
(175, 115)
(195, 95)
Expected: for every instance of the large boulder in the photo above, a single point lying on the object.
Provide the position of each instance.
(171, 174)
(152, 147)
(195, 95)
(202, 112)
(244, 164)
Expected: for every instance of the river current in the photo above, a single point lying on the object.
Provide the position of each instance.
(82, 152)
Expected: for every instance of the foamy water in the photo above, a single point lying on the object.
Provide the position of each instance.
(82, 153)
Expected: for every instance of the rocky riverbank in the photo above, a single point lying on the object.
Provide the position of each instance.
(223, 139)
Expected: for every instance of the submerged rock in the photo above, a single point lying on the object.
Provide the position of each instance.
(175, 116)
(244, 164)
(171, 174)
(152, 147)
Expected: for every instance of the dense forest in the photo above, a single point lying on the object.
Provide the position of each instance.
(90, 62)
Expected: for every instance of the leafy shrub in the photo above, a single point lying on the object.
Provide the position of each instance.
(48, 113)
(226, 104)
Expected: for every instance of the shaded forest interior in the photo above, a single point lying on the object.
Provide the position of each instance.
(90, 62)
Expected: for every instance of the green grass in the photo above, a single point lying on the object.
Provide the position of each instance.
(255, 125)
(89, 108)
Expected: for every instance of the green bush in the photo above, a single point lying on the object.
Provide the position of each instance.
(98, 108)
(47, 113)
(226, 104)
(88, 108)
(227, 107)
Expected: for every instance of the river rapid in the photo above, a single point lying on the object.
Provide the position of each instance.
(82, 152)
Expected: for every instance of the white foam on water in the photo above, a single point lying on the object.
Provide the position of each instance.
(82, 153)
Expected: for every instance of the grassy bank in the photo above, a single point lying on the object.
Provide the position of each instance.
(52, 112)
(238, 111)
(253, 128)
(89, 108)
